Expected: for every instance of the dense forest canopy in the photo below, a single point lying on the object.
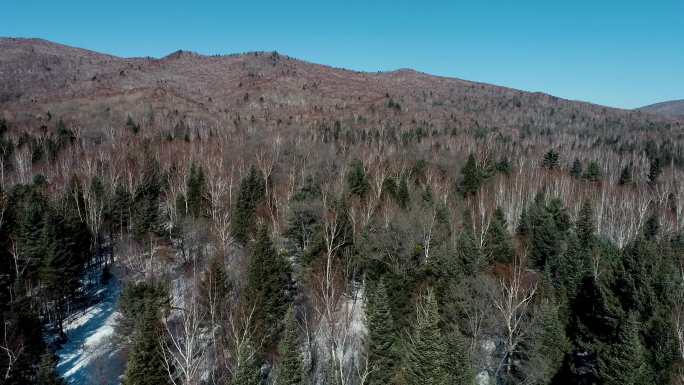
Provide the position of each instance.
(376, 250)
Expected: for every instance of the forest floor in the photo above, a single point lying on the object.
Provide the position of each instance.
(88, 357)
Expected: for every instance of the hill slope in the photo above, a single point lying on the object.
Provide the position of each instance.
(267, 89)
(672, 108)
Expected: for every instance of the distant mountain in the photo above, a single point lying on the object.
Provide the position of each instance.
(672, 108)
(40, 79)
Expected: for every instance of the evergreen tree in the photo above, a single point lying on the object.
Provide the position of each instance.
(403, 197)
(145, 363)
(357, 181)
(459, 369)
(427, 354)
(624, 362)
(47, 375)
(499, 243)
(576, 169)
(585, 226)
(268, 279)
(215, 287)
(593, 173)
(290, 370)
(251, 193)
(246, 370)
(550, 345)
(197, 192)
(626, 176)
(654, 171)
(382, 354)
(471, 178)
(551, 160)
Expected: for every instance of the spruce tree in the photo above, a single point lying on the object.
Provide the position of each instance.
(197, 192)
(268, 280)
(471, 178)
(626, 176)
(459, 368)
(357, 181)
(403, 197)
(145, 363)
(585, 226)
(382, 354)
(252, 188)
(47, 375)
(551, 160)
(624, 362)
(576, 169)
(654, 170)
(499, 243)
(593, 173)
(427, 359)
(290, 370)
(246, 369)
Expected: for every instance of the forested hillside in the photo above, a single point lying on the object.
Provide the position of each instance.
(445, 233)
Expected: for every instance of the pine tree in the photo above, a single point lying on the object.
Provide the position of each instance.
(197, 192)
(550, 345)
(654, 170)
(576, 169)
(145, 363)
(626, 176)
(246, 369)
(382, 354)
(251, 193)
(47, 375)
(403, 197)
(268, 278)
(593, 173)
(550, 161)
(499, 243)
(585, 226)
(290, 370)
(471, 178)
(460, 371)
(427, 354)
(357, 181)
(624, 362)
(214, 287)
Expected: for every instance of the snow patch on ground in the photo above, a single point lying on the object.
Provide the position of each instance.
(88, 339)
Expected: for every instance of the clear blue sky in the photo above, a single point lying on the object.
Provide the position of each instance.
(619, 53)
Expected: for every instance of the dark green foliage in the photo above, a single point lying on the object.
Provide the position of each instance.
(290, 370)
(551, 160)
(198, 201)
(268, 280)
(624, 361)
(625, 176)
(471, 178)
(252, 189)
(593, 173)
(585, 227)
(145, 363)
(499, 243)
(357, 181)
(654, 171)
(47, 375)
(131, 125)
(120, 209)
(576, 169)
(403, 197)
(503, 166)
(546, 225)
(134, 301)
(382, 349)
(146, 201)
(246, 368)
(427, 360)
(549, 345)
(458, 366)
(214, 288)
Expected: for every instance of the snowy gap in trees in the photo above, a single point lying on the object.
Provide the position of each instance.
(88, 339)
